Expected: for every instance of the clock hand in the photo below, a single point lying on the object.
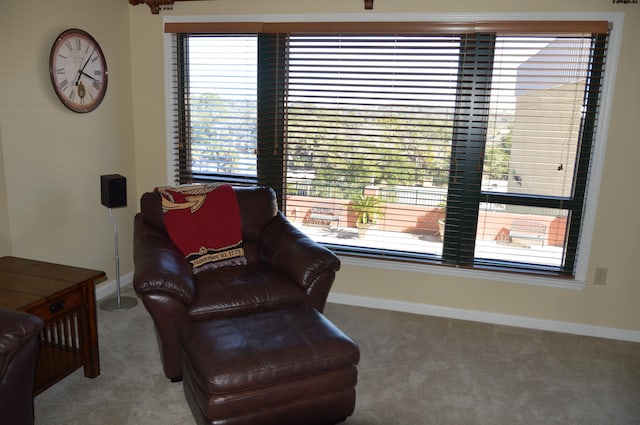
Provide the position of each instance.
(79, 75)
(85, 64)
(87, 75)
(81, 70)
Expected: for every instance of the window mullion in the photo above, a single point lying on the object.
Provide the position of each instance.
(529, 200)
(585, 147)
(463, 202)
(182, 138)
(272, 75)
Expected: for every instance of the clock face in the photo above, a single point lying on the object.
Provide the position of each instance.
(78, 70)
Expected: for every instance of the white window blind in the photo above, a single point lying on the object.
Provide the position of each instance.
(220, 105)
(373, 116)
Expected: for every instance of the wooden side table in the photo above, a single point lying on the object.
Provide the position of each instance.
(64, 297)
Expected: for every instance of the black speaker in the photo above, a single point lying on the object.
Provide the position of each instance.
(113, 188)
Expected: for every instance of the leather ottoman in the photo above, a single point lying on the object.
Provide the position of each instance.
(289, 366)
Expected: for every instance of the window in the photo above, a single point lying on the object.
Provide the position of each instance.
(470, 148)
(218, 115)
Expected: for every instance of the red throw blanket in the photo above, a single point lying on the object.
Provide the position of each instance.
(204, 222)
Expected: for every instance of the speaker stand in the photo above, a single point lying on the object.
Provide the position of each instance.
(118, 303)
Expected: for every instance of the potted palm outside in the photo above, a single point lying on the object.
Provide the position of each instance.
(441, 222)
(369, 211)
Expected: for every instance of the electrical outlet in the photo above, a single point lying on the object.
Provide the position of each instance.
(600, 277)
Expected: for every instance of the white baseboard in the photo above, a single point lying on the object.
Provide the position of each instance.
(107, 289)
(485, 317)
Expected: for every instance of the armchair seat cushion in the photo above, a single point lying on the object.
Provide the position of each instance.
(243, 290)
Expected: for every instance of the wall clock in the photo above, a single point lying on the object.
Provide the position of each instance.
(78, 70)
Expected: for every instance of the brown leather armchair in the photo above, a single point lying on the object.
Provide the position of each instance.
(18, 355)
(284, 268)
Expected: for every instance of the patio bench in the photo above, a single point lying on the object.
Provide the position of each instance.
(528, 230)
(322, 216)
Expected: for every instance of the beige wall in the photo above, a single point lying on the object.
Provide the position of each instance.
(617, 233)
(51, 157)
(5, 239)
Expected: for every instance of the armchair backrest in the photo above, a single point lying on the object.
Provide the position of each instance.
(257, 206)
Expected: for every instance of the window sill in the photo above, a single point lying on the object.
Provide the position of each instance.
(501, 276)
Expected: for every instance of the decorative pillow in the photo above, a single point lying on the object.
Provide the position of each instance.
(204, 223)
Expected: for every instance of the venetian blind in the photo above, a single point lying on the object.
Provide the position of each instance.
(464, 134)
(489, 134)
(215, 113)
(370, 119)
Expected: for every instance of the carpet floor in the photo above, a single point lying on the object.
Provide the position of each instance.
(414, 370)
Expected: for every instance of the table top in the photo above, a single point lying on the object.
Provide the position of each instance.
(24, 281)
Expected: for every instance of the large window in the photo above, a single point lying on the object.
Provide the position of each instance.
(469, 148)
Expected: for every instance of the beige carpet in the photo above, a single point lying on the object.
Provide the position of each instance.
(414, 370)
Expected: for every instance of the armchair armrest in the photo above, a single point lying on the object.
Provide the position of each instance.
(295, 254)
(16, 329)
(19, 345)
(160, 267)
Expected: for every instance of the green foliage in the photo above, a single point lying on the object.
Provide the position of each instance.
(221, 141)
(497, 159)
(359, 147)
(345, 150)
(368, 208)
